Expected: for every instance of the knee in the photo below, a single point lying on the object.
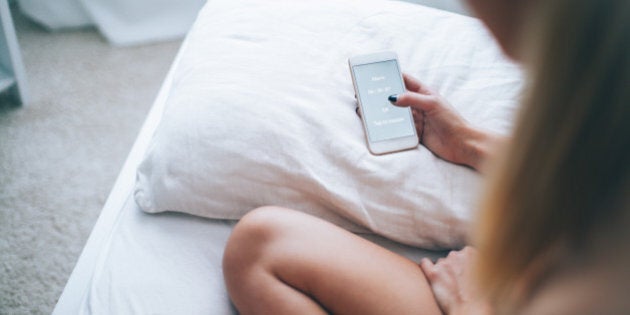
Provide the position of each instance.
(251, 241)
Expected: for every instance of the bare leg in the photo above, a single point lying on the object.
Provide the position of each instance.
(280, 261)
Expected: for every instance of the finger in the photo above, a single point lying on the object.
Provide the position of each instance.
(417, 115)
(439, 261)
(427, 264)
(427, 267)
(412, 84)
(417, 101)
(470, 250)
(418, 120)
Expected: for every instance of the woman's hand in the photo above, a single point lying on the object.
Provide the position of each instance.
(451, 280)
(441, 129)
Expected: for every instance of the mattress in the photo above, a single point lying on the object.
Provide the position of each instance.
(170, 263)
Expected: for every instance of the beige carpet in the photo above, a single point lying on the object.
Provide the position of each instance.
(60, 155)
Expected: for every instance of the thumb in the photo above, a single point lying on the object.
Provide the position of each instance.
(422, 102)
(428, 268)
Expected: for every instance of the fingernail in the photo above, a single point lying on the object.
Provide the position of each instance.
(393, 98)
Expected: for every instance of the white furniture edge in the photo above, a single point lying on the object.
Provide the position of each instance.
(73, 295)
(15, 78)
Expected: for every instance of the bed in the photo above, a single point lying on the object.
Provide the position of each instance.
(170, 262)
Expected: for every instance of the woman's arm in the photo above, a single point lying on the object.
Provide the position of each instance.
(442, 130)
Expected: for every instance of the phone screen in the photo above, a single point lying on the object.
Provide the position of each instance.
(375, 83)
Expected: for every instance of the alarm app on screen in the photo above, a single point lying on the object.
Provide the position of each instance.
(376, 82)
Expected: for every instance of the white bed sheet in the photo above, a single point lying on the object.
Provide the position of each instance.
(169, 264)
(160, 264)
(139, 263)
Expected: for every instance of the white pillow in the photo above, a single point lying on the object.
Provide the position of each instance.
(262, 112)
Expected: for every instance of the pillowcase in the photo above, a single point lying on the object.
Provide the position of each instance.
(262, 112)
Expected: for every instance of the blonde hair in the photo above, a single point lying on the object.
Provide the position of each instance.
(565, 172)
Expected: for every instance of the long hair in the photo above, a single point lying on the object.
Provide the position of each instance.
(564, 176)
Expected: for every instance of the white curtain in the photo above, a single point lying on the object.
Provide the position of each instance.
(122, 22)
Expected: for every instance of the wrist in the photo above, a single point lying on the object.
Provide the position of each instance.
(478, 146)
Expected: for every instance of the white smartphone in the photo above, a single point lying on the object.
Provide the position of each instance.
(388, 128)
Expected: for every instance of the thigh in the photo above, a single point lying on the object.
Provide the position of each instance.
(341, 271)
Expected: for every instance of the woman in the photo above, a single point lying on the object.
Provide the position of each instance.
(551, 238)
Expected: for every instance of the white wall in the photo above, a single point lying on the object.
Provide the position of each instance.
(450, 5)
